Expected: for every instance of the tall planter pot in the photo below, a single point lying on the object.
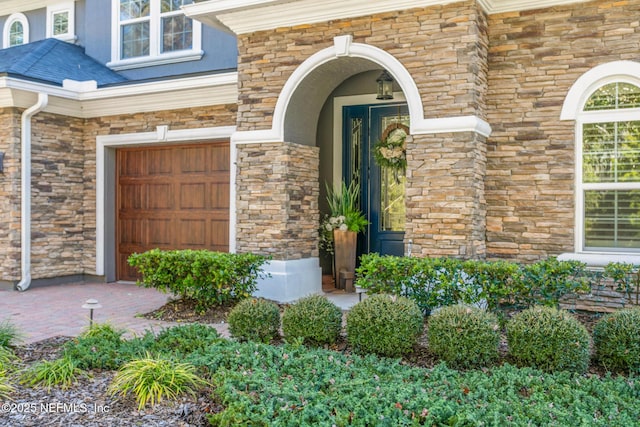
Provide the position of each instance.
(345, 246)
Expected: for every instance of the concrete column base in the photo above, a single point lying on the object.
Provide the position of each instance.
(290, 280)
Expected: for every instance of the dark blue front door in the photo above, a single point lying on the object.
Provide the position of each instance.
(382, 189)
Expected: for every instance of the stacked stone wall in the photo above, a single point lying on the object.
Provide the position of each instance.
(534, 59)
(10, 195)
(277, 200)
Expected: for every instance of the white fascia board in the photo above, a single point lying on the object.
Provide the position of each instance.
(247, 16)
(125, 99)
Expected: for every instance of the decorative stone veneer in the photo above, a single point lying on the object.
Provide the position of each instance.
(446, 208)
(10, 195)
(277, 200)
(534, 58)
(443, 48)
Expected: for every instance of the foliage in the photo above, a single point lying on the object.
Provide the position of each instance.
(438, 282)
(102, 347)
(154, 379)
(210, 278)
(5, 386)
(9, 334)
(616, 338)
(626, 277)
(61, 372)
(314, 319)
(345, 211)
(254, 320)
(464, 337)
(548, 339)
(7, 359)
(185, 339)
(384, 325)
(263, 385)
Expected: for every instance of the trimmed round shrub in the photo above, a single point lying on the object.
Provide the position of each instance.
(549, 339)
(616, 338)
(254, 320)
(463, 336)
(384, 325)
(314, 319)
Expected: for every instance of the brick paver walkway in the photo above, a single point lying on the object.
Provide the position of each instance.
(45, 312)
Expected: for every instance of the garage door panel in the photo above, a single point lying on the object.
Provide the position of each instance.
(194, 160)
(171, 197)
(193, 196)
(160, 162)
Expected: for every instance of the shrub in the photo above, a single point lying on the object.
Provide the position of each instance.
(314, 319)
(254, 320)
(9, 334)
(384, 325)
(102, 347)
(616, 338)
(464, 337)
(152, 380)
(185, 339)
(209, 278)
(548, 339)
(49, 373)
(438, 282)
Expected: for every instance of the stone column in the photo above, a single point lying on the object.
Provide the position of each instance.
(446, 208)
(277, 189)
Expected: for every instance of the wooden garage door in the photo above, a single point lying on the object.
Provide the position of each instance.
(171, 197)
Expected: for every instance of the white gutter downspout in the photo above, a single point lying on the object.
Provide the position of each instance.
(25, 181)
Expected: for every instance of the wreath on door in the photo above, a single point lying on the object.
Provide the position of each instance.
(391, 151)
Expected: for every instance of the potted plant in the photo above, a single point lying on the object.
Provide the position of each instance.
(340, 229)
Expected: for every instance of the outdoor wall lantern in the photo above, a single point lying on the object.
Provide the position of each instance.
(1, 162)
(91, 304)
(385, 86)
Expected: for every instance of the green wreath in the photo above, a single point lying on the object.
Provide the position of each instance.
(391, 151)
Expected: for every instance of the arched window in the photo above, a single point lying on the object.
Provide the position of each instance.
(16, 30)
(608, 181)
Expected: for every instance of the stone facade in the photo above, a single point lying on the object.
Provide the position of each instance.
(534, 58)
(277, 200)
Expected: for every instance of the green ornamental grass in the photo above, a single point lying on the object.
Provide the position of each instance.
(154, 379)
(61, 372)
(9, 334)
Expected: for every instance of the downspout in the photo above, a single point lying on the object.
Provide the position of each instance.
(25, 182)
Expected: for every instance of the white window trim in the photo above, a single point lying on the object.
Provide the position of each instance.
(154, 57)
(15, 17)
(573, 109)
(67, 6)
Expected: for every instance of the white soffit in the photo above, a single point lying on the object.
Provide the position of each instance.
(79, 100)
(247, 16)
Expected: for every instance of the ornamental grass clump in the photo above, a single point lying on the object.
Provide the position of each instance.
(153, 379)
(616, 338)
(254, 320)
(61, 373)
(9, 334)
(549, 339)
(314, 319)
(384, 325)
(464, 336)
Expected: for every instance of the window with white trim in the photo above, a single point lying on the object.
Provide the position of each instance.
(16, 31)
(61, 21)
(153, 32)
(609, 169)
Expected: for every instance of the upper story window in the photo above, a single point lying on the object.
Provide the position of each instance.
(609, 183)
(16, 30)
(153, 32)
(61, 21)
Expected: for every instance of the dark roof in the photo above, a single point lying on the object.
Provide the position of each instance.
(52, 61)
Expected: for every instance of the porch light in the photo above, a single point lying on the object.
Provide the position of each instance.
(385, 86)
(91, 304)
